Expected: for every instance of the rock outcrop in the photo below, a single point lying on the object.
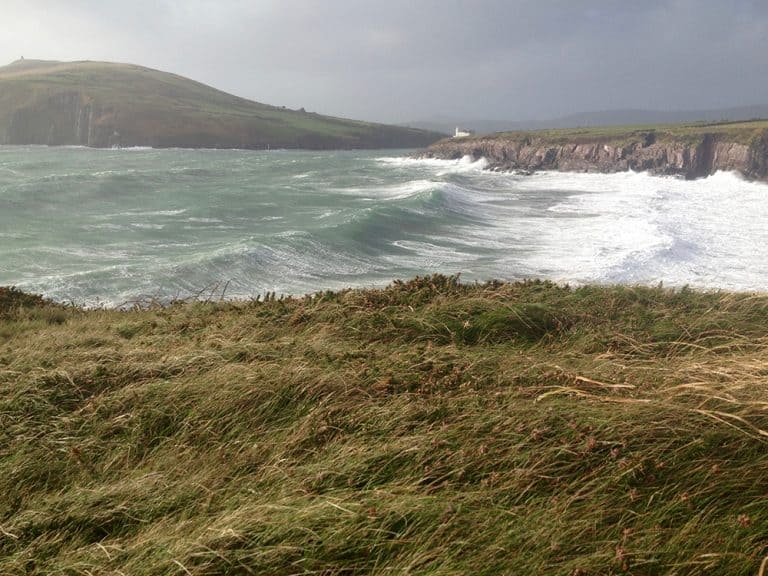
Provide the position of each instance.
(65, 118)
(689, 156)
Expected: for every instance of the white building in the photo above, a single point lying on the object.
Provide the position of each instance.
(461, 133)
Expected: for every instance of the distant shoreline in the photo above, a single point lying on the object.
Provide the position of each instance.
(688, 150)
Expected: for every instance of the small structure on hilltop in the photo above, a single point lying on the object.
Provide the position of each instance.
(461, 133)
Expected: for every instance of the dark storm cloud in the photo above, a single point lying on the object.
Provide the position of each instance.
(400, 60)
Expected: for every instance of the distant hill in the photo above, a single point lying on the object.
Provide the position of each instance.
(102, 104)
(628, 117)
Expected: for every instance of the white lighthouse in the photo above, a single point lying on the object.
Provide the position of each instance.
(461, 133)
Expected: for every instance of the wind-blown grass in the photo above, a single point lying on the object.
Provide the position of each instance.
(426, 428)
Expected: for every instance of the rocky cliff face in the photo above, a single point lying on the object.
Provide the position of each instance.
(68, 118)
(690, 159)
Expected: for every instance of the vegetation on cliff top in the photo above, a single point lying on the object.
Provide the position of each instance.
(738, 132)
(85, 103)
(426, 428)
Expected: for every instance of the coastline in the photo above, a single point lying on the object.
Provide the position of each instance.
(688, 151)
(167, 224)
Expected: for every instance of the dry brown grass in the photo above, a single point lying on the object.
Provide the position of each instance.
(427, 428)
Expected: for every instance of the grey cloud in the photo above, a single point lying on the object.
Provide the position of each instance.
(409, 59)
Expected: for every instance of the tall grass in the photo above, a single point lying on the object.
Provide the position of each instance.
(427, 428)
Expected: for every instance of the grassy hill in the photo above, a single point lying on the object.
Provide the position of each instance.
(426, 428)
(101, 104)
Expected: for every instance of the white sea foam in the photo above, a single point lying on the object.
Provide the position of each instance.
(103, 173)
(139, 214)
(326, 214)
(403, 191)
(430, 256)
(391, 192)
(624, 227)
(155, 212)
(204, 220)
(144, 226)
(467, 164)
(632, 227)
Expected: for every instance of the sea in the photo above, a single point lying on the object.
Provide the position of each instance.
(120, 227)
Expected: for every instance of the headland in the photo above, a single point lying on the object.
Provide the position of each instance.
(687, 150)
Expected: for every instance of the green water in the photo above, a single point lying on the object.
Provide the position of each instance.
(112, 226)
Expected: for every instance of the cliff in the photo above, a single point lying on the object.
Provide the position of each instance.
(102, 104)
(690, 151)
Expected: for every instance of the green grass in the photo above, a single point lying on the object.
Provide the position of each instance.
(737, 132)
(426, 428)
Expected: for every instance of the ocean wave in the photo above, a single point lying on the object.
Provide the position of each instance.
(424, 189)
(435, 256)
(418, 208)
(464, 165)
(172, 212)
(56, 178)
(285, 265)
(110, 173)
(638, 228)
(198, 220)
(145, 226)
(402, 191)
(173, 222)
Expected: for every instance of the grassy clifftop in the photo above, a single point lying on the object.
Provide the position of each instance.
(101, 104)
(426, 428)
(745, 133)
(688, 150)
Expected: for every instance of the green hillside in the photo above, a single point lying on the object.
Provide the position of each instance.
(744, 132)
(426, 428)
(103, 104)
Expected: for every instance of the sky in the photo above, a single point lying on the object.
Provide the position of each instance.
(407, 60)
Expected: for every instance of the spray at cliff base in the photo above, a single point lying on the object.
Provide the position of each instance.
(109, 227)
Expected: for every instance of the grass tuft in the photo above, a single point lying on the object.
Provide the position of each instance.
(430, 427)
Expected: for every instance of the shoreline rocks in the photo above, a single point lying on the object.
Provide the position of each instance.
(701, 157)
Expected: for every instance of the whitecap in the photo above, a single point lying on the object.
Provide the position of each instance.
(466, 164)
(154, 212)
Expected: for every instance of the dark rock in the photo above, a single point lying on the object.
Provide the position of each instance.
(690, 158)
